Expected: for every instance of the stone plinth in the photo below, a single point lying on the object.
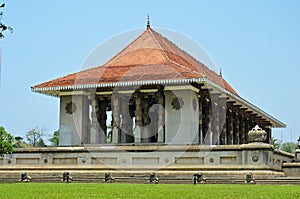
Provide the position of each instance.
(153, 157)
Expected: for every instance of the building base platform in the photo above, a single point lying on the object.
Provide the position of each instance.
(171, 164)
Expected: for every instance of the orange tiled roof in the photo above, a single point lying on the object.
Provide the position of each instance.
(149, 57)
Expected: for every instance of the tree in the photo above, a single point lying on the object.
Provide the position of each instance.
(276, 143)
(40, 143)
(289, 147)
(55, 138)
(6, 142)
(19, 141)
(3, 27)
(35, 137)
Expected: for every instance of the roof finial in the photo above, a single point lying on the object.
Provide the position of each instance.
(220, 72)
(148, 21)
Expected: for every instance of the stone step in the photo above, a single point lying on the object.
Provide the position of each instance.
(181, 178)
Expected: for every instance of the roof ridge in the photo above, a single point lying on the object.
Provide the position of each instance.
(167, 57)
(163, 52)
(126, 47)
(193, 59)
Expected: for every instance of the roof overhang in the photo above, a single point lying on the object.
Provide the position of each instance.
(60, 90)
(239, 100)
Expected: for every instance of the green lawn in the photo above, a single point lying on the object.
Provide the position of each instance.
(115, 190)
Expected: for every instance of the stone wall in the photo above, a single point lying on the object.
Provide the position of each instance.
(74, 120)
(182, 117)
(293, 168)
(247, 156)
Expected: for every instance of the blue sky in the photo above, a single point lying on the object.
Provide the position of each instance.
(256, 43)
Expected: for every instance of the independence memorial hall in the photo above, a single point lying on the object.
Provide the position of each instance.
(153, 107)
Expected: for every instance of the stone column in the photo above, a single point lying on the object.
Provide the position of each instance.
(146, 121)
(129, 135)
(160, 130)
(222, 122)
(102, 120)
(252, 121)
(215, 131)
(86, 124)
(124, 122)
(207, 135)
(268, 129)
(209, 130)
(236, 127)
(95, 127)
(247, 125)
(126, 132)
(200, 117)
(229, 124)
(138, 118)
(116, 120)
(242, 130)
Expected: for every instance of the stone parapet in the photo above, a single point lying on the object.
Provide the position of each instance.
(292, 169)
(212, 157)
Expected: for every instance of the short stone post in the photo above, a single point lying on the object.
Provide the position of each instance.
(199, 178)
(25, 177)
(67, 177)
(153, 178)
(250, 179)
(108, 178)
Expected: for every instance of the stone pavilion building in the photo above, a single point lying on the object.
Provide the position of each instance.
(152, 107)
(157, 94)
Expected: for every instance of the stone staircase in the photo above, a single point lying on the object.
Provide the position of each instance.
(142, 176)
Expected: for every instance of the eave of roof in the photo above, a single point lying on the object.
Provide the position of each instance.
(55, 91)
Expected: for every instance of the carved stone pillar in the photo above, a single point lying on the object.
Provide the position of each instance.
(247, 125)
(124, 120)
(229, 124)
(95, 127)
(146, 120)
(242, 130)
(116, 119)
(126, 132)
(129, 135)
(207, 135)
(236, 123)
(215, 122)
(200, 117)
(160, 130)
(268, 129)
(138, 118)
(222, 122)
(242, 125)
(101, 114)
(252, 121)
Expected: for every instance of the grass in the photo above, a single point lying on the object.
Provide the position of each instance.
(115, 190)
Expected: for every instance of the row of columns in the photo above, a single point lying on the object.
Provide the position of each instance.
(139, 125)
(220, 122)
(225, 123)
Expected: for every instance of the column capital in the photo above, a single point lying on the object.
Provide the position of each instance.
(243, 111)
(230, 104)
